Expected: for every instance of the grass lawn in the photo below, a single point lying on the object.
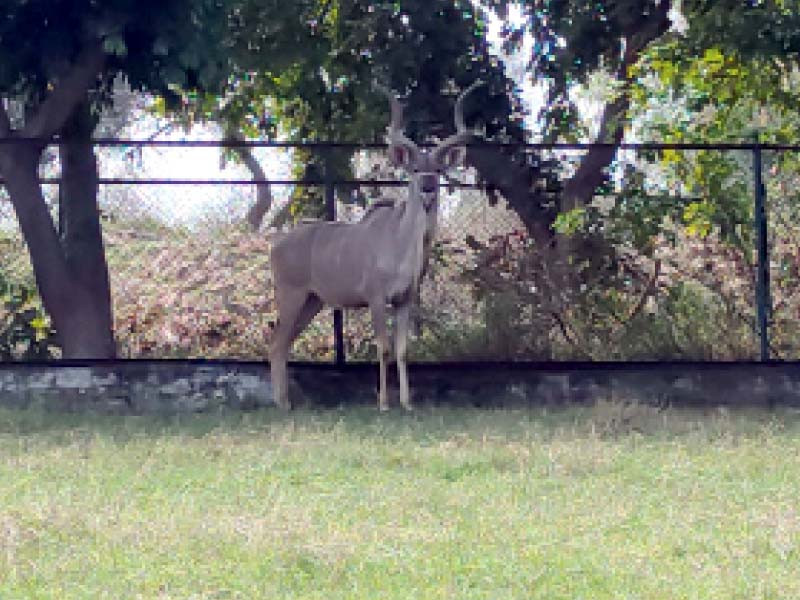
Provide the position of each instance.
(594, 502)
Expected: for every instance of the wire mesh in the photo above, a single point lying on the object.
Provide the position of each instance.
(668, 271)
(782, 177)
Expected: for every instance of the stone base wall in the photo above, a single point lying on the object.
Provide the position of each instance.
(190, 386)
(135, 386)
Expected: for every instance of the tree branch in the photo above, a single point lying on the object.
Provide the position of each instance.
(67, 93)
(263, 203)
(5, 122)
(564, 328)
(579, 189)
(649, 290)
(515, 182)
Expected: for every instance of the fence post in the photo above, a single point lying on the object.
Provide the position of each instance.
(330, 215)
(763, 302)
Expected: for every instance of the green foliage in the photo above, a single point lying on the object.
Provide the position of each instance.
(715, 198)
(762, 29)
(164, 49)
(321, 86)
(570, 222)
(716, 95)
(574, 39)
(506, 329)
(25, 330)
(171, 48)
(328, 93)
(683, 322)
(727, 79)
(311, 165)
(731, 83)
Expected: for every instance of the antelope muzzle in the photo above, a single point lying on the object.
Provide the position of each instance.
(429, 183)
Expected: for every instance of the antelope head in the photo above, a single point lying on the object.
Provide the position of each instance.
(424, 166)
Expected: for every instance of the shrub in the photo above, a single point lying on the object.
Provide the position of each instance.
(25, 330)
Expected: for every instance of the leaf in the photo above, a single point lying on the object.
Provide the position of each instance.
(174, 75)
(115, 45)
(160, 47)
(570, 222)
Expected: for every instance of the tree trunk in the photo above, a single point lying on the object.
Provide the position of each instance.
(71, 274)
(526, 188)
(593, 170)
(71, 306)
(518, 184)
(82, 240)
(517, 181)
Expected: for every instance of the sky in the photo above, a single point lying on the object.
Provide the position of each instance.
(184, 204)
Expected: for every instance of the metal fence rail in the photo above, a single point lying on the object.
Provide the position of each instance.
(762, 289)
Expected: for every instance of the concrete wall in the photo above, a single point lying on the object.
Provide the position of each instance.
(191, 386)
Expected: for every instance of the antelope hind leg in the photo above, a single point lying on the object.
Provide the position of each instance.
(401, 346)
(378, 311)
(293, 308)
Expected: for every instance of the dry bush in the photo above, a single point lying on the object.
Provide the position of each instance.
(207, 292)
(180, 294)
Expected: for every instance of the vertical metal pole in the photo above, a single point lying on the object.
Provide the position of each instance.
(763, 302)
(330, 210)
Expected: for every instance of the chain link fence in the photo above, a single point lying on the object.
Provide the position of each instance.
(663, 264)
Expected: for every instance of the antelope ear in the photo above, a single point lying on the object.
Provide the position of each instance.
(399, 156)
(454, 157)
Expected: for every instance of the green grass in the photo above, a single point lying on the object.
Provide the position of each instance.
(610, 501)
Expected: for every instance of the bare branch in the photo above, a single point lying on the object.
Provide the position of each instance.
(67, 94)
(649, 290)
(459, 108)
(591, 172)
(5, 122)
(565, 332)
(263, 203)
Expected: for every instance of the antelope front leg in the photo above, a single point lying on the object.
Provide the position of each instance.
(277, 360)
(291, 305)
(401, 346)
(382, 335)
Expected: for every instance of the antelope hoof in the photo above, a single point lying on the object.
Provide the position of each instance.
(405, 398)
(383, 406)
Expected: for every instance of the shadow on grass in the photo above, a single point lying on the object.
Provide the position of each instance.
(427, 424)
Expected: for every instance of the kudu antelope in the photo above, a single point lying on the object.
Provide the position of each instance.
(375, 263)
